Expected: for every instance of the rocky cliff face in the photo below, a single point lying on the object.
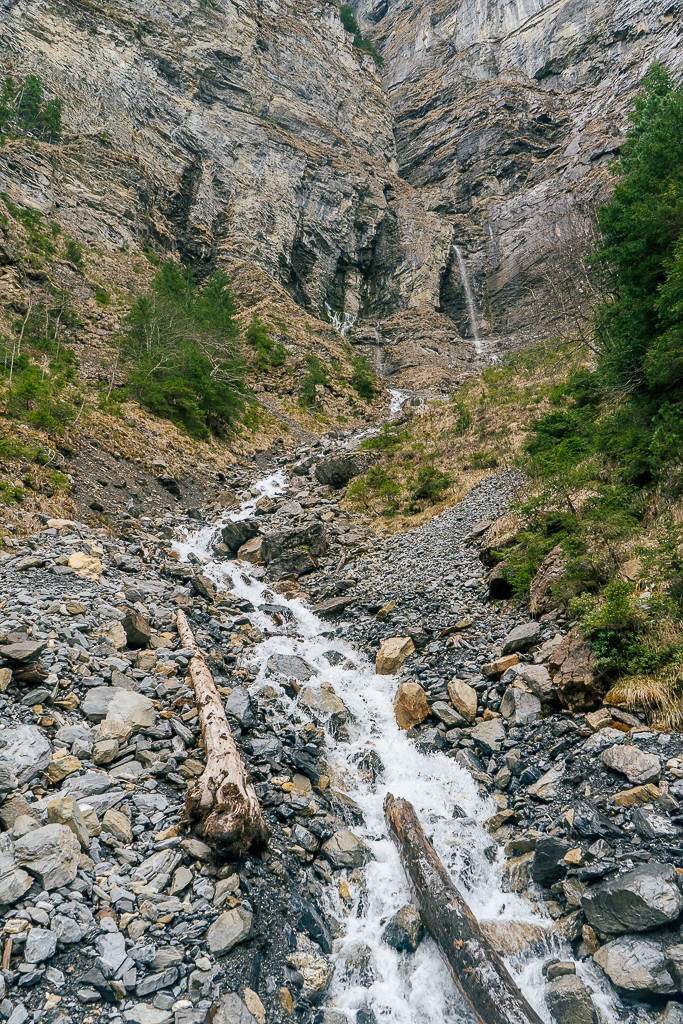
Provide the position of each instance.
(252, 130)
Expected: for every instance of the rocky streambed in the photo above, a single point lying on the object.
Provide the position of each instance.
(350, 666)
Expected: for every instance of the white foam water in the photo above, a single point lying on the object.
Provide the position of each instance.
(401, 988)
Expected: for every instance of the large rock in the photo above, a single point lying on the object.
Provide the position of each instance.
(26, 651)
(644, 898)
(410, 705)
(392, 653)
(569, 1001)
(339, 469)
(64, 810)
(291, 666)
(636, 966)
(50, 853)
(345, 850)
(572, 667)
(250, 551)
(521, 638)
(404, 930)
(549, 864)
(550, 572)
(489, 735)
(234, 535)
(546, 788)
(132, 709)
(27, 750)
(652, 824)
(463, 698)
(138, 631)
(41, 944)
(536, 678)
(324, 706)
(311, 539)
(638, 767)
(230, 1010)
(519, 707)
(292, 564)
(229, 929)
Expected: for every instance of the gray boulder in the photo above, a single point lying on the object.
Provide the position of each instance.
(238, 707)
(521, 638)
(536, 677)
(636, 901)
(229, 929)
(652, 824)
(344, 850)
(234, 535)
(291, 666)
(311, 539)
(41, 944)
(50, 853)
(636, 966)
(638, 767)
(339, 469)
(518, 707)
(27, 751)
(231, 1010)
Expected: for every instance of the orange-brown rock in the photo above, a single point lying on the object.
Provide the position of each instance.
(572, 668)
(410, 705)
(551, 569)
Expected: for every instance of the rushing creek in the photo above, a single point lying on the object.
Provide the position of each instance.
(405, 989)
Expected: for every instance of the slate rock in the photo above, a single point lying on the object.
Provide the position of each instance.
(345, 850)
(111, 949)
(311, 540)
(238, 706)
(636, 966)
(546, 788)
(535, 677)
(591, 824)
(638, 767)
(549, 864)
(26, 651)
(521, 638)
(652, 824)
(306, 917)
(41, 944)
(229, 929)
(290, 666)
(234, 535)
(489, 735)
(51, 853)
(602, 739)
(27, 751)
(404, 931)
(518, 707)
(231, 1010)
(132, 709)
(636, 901)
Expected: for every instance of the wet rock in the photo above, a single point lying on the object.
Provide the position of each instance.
(464, 698)
(50, 853)
(392, 653)
(204, 586)
(410, 705)
(324, 706)
(549, 864)
(307, 918)
(636, 901)
(591, 824)
(41, 944)
(312, 539)
(354, 965)
(636, 966)
(229, 929)
(234, 535)
(291, 666)
(345, 850)
(316, 972)
(405, 930)
(638, 767)
(570, 1001)
(251, 552)
(521, 638)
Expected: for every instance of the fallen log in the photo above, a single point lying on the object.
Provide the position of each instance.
(478, 971)
(222, 805)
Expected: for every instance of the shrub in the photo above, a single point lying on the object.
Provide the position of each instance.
(364, 379)
(268, 354)
(348, 20)
(316, 376)
(23, 109)
(74, 251)
(180, 351)
(102, 296)
(431, 483)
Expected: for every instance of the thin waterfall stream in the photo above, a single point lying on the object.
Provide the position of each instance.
(470, 300)
(374, 758)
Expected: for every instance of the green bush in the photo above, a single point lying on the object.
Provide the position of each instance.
(102, 296)
(268, 354)
(316, 376)
(363, 378)
(431, 483)
(10, 493)
(391, 438)
(179, 348)
(24, 110)
(74, 251)
(348, 20)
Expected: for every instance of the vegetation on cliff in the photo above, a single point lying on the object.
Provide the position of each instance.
(25, 111)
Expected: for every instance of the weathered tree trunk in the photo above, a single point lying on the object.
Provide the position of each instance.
(478, 970)
(222, 805)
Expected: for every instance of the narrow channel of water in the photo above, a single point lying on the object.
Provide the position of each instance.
(405, 989)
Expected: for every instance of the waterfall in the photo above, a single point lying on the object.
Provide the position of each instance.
(378, 352)
(470, 299)
(336, 320)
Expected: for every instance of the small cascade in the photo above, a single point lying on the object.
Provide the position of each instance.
(378, 352)
(470, 300)
(343, 326)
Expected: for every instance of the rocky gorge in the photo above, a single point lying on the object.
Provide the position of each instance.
(350, 664)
